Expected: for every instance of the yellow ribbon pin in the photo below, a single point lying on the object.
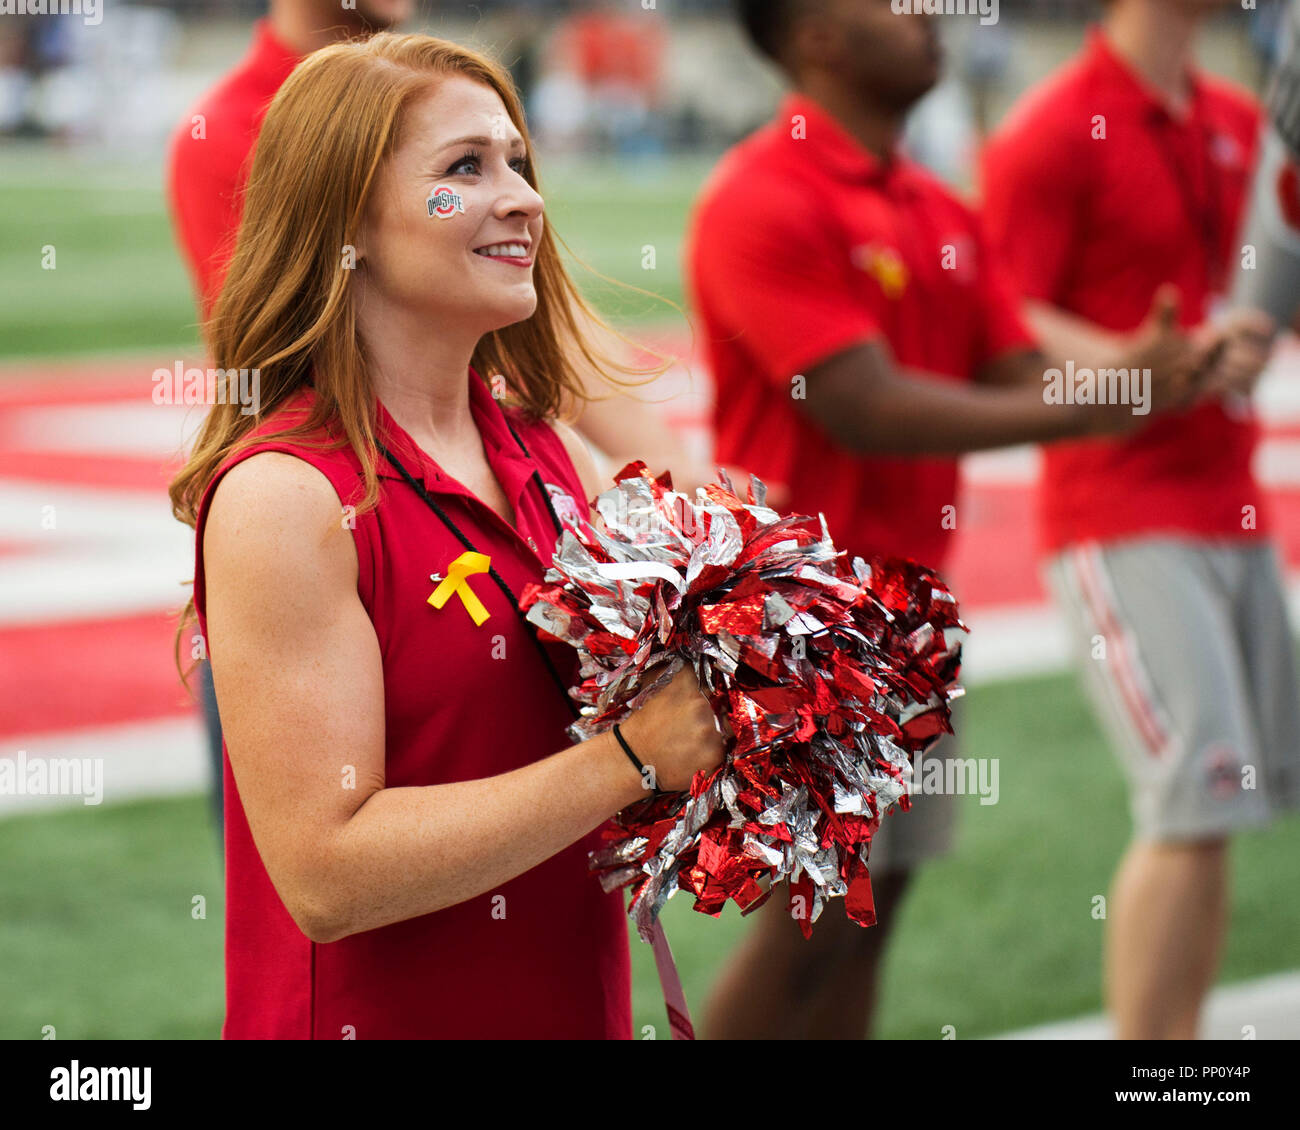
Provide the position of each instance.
(457, 581)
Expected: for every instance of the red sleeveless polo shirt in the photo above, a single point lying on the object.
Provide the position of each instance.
(557, 964)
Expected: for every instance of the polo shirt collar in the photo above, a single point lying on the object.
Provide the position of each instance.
(1121, 74)
(837, 150)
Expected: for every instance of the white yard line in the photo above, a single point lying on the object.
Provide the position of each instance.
(138, 759)
(126, 427)
(109, 553)
(1264, 1009)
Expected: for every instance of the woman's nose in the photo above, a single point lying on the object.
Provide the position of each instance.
(520, 197)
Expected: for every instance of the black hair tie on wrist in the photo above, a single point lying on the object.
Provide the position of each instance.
(632, 757)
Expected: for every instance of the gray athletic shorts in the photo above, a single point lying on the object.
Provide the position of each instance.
(1188, 659)
(906, 839)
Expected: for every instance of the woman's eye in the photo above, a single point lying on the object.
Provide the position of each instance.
(471, 165)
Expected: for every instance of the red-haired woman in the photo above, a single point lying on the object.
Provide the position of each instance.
(406, 822)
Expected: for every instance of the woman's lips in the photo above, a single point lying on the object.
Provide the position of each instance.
(512, 260)
(513, 252)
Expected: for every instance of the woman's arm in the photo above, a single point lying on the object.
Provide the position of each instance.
(299, 680)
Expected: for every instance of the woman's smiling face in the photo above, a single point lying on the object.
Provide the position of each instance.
(463, 256)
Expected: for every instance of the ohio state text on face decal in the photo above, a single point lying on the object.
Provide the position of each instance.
(443, 202)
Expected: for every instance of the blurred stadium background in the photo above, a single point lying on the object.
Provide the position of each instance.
(630, 107)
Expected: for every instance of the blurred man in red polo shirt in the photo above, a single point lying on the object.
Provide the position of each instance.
(1122, 173)
(861, 338)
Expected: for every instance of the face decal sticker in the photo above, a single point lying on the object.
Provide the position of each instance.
(443, 202)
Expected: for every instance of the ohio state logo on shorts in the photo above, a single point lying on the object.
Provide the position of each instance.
(443, 202)
(1222, 767)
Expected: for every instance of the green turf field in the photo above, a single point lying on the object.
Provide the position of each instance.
(98, 936)
(97, 932)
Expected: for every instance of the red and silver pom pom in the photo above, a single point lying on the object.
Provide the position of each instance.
(825, 676)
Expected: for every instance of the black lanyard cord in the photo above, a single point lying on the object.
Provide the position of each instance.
(496, 577)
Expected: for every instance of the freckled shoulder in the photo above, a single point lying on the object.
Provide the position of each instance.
(278, 508)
